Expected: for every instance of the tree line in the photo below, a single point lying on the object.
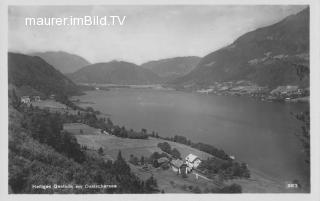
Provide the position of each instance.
(40, 152)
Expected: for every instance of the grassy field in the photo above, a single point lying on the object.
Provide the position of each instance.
(80, 129)
(49, 104)
(167, 179)
(112, 144)
(53, 106)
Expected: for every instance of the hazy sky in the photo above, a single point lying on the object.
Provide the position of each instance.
(149, 32)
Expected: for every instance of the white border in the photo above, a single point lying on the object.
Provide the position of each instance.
(314, 103)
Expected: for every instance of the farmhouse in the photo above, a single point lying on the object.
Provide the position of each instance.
(232, 157)
(106, 133)
(178, 166)
(25, 99)
(52, 97)
(163, 160)
(192, 161)
(36, 98)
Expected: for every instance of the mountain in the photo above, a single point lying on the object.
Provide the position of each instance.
(114, 72)
(269, 56)
(172, 68)
(33, 72)
(63, 61)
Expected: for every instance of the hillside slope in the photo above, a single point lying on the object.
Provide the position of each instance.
(172, 68)
(63, 61)
(114, 72)
(259, 182)
(34, 72)
(270, 56)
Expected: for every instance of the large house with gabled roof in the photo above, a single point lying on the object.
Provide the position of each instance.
(192, 161)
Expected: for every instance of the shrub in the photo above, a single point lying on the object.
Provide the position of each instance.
(196, 189)
(165, 146)
(233, 188)
(175, 153)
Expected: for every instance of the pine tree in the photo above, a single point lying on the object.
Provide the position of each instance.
(120, 165)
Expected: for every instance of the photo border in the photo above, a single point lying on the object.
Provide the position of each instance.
(314, 104)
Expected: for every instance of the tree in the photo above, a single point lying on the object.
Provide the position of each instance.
(165, 146)
(142, 160)
(183, 172)
(304, 136)
(109, 122)
(180, 139)
(14, 99)
(196, 189)
(143, 130)
(120, 166)
(151, 184)
(133, 159)
(70, 147)
(100, 151)
(175, 153)
(233, 188)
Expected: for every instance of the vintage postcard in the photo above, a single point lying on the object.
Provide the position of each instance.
(180, 99)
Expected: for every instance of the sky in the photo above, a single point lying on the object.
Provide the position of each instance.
(148, 32)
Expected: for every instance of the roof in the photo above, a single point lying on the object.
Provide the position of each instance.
(163, 160)
(177, 163)
(192, 157)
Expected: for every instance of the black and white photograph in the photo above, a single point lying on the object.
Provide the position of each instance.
(159, 99)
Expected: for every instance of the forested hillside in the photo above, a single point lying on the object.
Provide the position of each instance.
(270, 56)
(34, 72)
(40, 153)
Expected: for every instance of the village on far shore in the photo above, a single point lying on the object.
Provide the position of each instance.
(287, 93)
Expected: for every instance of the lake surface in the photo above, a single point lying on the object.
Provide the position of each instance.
(261, 134)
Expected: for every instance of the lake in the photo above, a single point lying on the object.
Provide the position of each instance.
(261, 134)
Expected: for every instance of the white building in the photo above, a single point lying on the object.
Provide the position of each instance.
(205, 91)
(25, 99)
(106, 133)
(37, 98)
(192, 161)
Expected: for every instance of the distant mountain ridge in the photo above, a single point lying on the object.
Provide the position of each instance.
(63, 61)
(270, 56)
(33, 72)
(114, 72)
(172, 68)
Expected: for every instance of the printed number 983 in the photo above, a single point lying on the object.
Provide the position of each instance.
(292, 186)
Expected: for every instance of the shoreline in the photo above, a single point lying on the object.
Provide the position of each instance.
(259, 182)
(258, 174)
(240, 92)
